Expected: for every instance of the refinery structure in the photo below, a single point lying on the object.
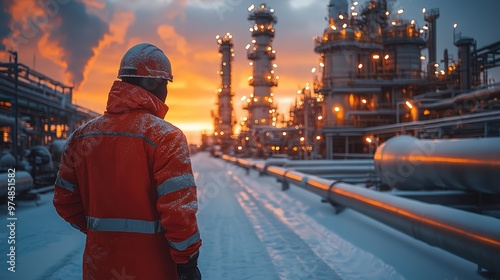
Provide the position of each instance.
(374, 81)
(36, 108)
(224, 118)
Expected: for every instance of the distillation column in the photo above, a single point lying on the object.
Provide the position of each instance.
(225, 115)
(431, 17)
(261, 53)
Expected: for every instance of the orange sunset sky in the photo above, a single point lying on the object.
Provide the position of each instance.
(81, 43)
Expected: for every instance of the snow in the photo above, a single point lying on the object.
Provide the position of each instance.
(250, 230)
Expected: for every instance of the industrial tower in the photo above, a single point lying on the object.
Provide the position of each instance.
(260, 104)
(223, 119)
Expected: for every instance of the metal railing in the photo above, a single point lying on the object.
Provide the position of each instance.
(470, 236)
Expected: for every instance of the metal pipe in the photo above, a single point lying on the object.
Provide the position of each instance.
(470, 236)
(409, 163)
(365, 169)
(343, 162)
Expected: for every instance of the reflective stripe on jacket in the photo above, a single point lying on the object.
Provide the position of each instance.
(126, 181)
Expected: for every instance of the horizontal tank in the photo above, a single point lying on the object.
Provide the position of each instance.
(408, 163)
(23, 182)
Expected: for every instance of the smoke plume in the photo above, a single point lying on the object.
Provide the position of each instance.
(5, 19)
(78, 34)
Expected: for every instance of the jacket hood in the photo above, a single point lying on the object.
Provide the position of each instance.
(124, 98)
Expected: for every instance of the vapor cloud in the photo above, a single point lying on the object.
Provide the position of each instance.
(78, 34)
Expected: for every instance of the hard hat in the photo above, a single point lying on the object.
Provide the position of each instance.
(147, 61)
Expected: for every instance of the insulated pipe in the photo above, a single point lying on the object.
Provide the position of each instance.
(409, 163)
(336, 169)
(298, 164)
(470, 236)
(342, 162)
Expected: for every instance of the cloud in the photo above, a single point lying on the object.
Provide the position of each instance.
(299, 4)
(5, 19)
(172, 39)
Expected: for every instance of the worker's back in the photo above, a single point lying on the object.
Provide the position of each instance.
(132, 169)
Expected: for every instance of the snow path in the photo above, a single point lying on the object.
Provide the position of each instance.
(341, 256)
(231, 249)
(45, 244)
(291, 256)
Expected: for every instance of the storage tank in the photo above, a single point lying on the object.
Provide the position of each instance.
(409, 163)
(22, 180)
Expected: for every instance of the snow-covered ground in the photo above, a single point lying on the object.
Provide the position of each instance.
(250, 230)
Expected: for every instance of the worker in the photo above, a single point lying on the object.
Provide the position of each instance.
(7, 160)
(126, 180)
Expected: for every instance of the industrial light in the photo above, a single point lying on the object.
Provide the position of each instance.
(320, 118)
(336, 109)
(422, 57)
(376, 56)
(313, 70)
(251, 7)
(409, 104)
(318, 137)
(321, 64)
(363, 101)
(368, 139)
(344, 25)
(386, 56)
(455, 25)
(284, 133)
(423, 11)
(302, 139)
(400, 11)
(341, 16)
(360, 65)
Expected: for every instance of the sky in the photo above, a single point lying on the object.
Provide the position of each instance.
(81, 42)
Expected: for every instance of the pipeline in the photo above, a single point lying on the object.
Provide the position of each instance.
(470, 236)
(409, 163)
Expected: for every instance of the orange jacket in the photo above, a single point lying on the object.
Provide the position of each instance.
(126, 181)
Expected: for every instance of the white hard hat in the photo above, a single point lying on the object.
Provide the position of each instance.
(145, 61)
